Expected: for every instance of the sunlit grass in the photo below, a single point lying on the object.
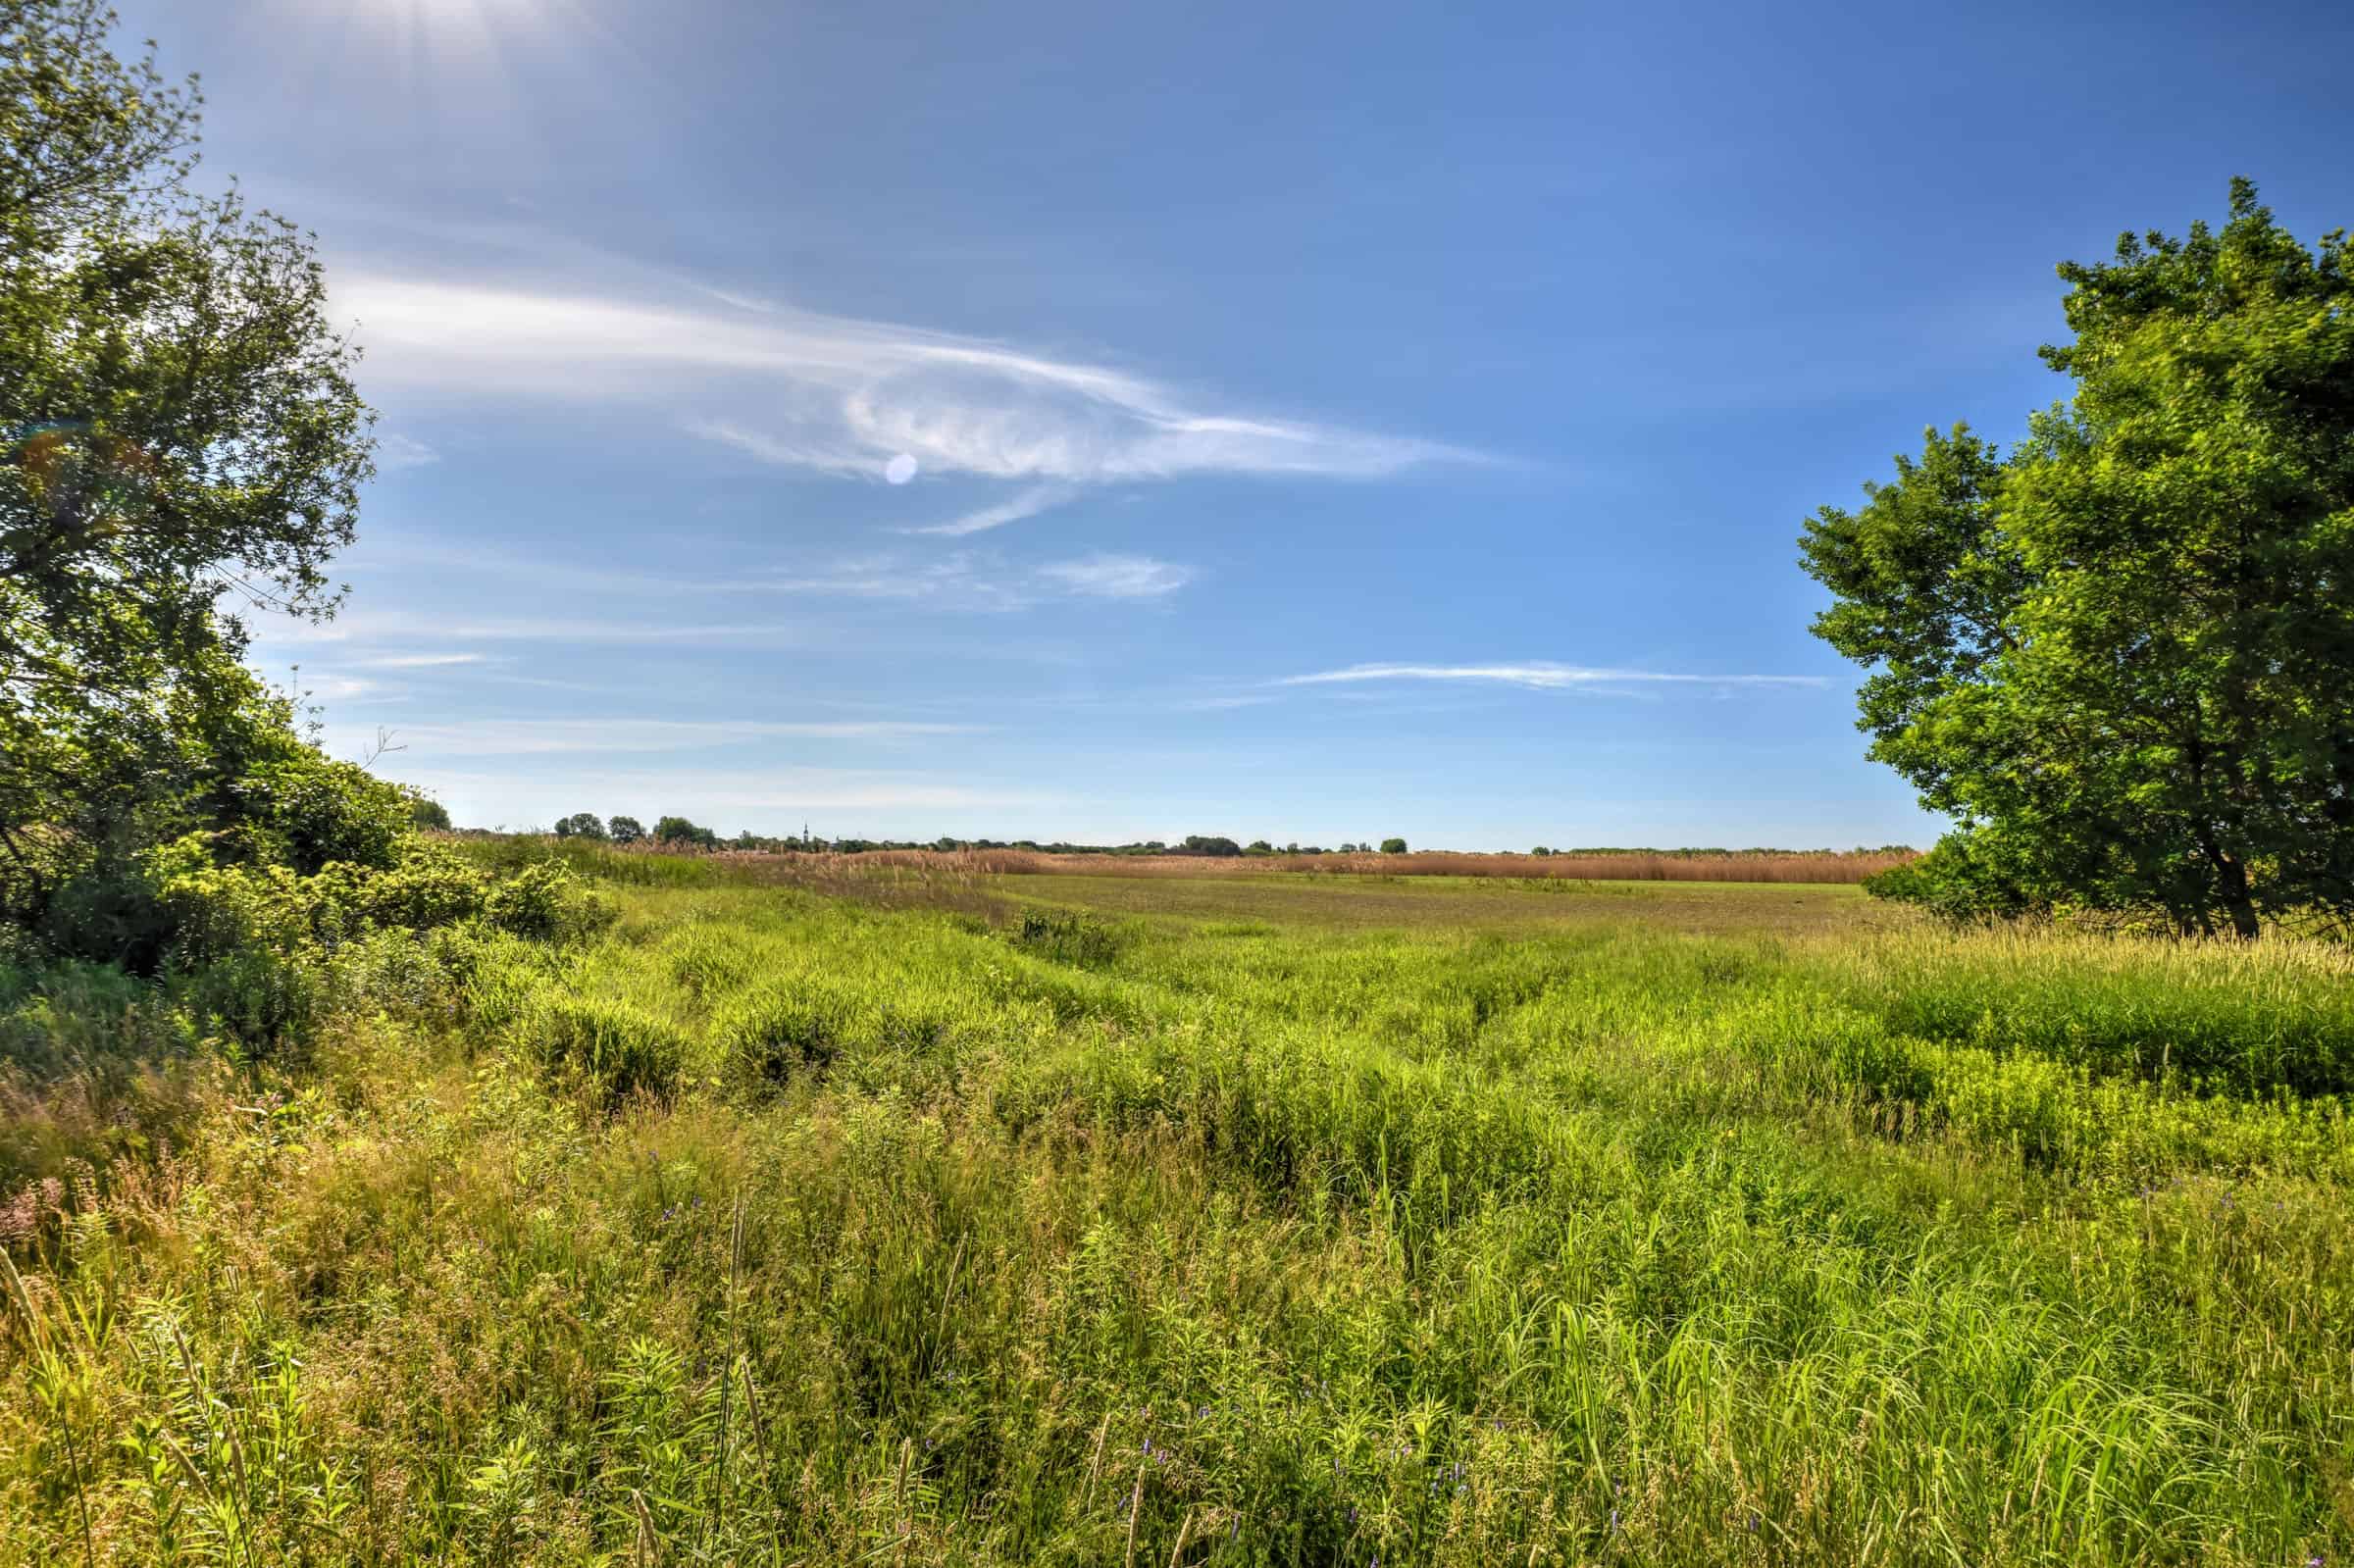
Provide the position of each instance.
(777, 1228)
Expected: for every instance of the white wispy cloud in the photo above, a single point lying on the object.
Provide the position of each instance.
(395, 451)
(359, 628)
(966, 581)
(1220, 704)
(524, 737)
(1541, 676)
(1028, 504)
(834, 394)
(419, 661)
(330, 687)
(954, 583)
(1118, 577)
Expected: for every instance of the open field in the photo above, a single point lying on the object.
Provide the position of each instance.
(1698, 865)
(1425, 903)
(1252, 1219)
(996, 884)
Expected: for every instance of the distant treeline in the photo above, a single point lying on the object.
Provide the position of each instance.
(678, 833)
(1200, 856)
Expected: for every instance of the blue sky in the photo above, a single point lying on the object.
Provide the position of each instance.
(1305, 422)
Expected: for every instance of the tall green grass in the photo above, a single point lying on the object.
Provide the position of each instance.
(771, 1229)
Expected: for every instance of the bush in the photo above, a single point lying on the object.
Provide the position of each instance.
(1957, 880)
(113, 911)
(255, 995)
(549, 902)
(217, 912)
(429, 886)
(308, 810)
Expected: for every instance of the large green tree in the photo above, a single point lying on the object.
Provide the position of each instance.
(2120, 656)
(181, 443)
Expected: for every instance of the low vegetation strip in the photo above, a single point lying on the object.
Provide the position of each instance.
(1835, 867)
(762, 1226)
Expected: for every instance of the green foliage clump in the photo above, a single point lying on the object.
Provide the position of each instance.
(1208, 844)
(426, 887)
(678, 833)
(549, 902)
(784, 1031)
(1069, 938)
(620, 1048)
(307, 810)
(1965, 879)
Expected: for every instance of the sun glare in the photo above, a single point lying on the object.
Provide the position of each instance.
(449, 31)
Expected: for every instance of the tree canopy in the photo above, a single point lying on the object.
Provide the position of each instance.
(2120, 656)
(179, 443)
(1197, 843)
(680, 831)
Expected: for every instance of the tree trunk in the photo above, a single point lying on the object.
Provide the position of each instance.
(2232, 884)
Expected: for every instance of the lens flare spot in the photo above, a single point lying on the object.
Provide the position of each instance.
(899, 470)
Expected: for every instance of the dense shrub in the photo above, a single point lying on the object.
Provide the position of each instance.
(114, 912)
(254, 998)
(427, 886)
(1961, 878)
(549, 902)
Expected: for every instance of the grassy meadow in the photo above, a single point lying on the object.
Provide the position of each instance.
(934, 1215)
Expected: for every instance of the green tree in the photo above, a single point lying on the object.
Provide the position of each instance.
(624, 830)
(1209, 844)
(1392, 846)
(180, 442)
(581, 824)
(679, 831)
(2120, 656)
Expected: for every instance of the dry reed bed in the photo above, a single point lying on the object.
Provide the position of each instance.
(824, 867)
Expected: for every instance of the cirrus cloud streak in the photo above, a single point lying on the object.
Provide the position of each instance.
(1541, 676)
(835, 394)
